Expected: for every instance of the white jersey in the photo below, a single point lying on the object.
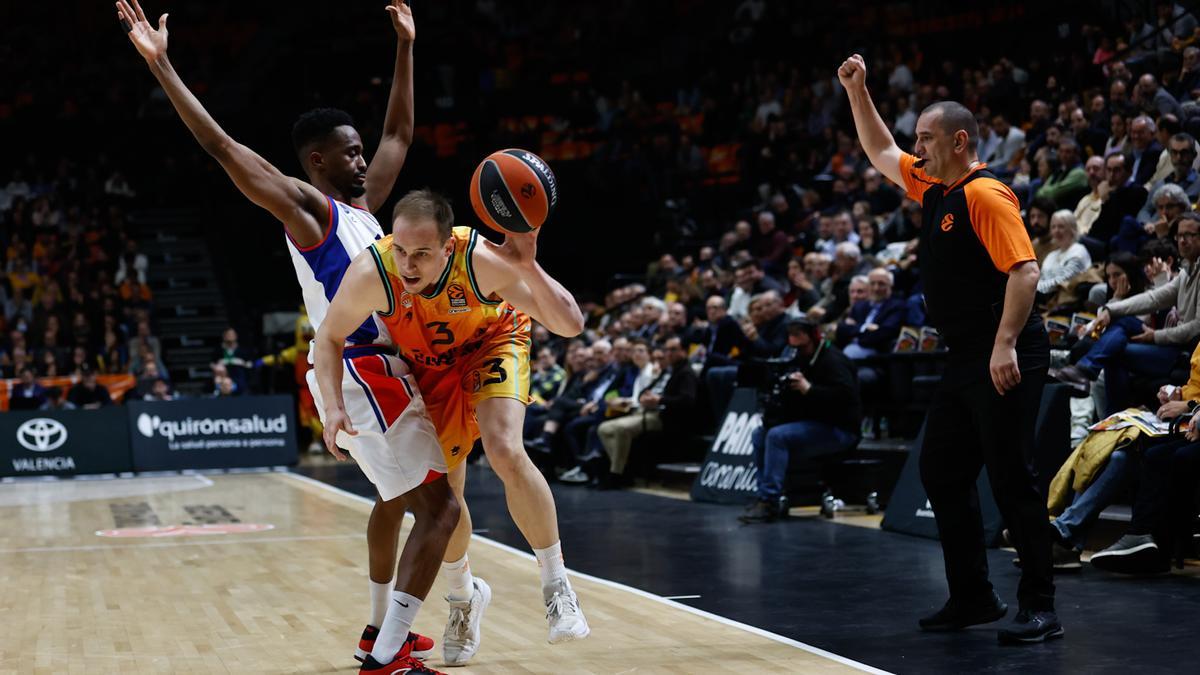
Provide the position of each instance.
(320, 268)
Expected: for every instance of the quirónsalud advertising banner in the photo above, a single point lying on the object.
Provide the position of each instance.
(216, 433)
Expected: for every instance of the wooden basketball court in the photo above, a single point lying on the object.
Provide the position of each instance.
(266, 572)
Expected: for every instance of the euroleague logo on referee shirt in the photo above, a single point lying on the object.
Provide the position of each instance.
(948, 222)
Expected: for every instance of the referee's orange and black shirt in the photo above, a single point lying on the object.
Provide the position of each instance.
(972, 235)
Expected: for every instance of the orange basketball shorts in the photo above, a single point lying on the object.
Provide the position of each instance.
(498, 369)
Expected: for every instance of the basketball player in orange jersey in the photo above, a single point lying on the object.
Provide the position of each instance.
(327, 221)
(458, 308)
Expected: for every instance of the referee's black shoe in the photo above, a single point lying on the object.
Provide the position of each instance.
(958, 615)
(1031, 626)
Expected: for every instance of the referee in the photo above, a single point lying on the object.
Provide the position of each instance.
(979, 274)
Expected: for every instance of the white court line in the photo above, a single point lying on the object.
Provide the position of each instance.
(168, 544)
(101, 478)
(636, 591)
(680, 597)
(30, 492)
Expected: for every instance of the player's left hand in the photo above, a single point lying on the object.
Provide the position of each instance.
(402, 20)
(150, 43)
(1006, 375)
(519, 250)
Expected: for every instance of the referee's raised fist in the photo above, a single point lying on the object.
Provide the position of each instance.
(853, 72)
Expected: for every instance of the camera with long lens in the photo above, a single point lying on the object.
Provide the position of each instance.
(770, 378)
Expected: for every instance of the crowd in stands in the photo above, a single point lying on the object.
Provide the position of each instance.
(76, 304)
(75, 298)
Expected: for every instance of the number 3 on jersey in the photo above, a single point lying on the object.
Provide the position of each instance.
(492, 373)
(445, 335)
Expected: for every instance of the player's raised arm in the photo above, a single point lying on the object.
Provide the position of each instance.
(511, 271)
(398, 121)
(876, 140)
(359, 294)
(300, 206)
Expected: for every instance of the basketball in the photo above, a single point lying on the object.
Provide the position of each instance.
(513, 190)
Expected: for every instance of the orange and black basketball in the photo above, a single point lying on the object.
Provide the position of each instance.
(513, 190)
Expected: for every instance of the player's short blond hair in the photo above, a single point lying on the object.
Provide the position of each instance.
(425, 204)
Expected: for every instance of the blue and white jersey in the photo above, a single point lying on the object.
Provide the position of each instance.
(320, 268)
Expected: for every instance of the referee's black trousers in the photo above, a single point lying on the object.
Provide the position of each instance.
(970, 426)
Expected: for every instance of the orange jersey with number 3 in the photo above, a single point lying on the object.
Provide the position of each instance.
(462, 347)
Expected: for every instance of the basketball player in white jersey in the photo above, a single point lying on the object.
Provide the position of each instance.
(327, 222)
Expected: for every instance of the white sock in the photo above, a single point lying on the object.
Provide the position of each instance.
(550, 563)
(458, 577)
(401, 612)
(381, 595)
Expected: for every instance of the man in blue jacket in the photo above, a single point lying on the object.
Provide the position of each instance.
(873, 324)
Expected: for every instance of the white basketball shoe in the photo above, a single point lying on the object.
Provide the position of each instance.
(461, 639)
(563, 613)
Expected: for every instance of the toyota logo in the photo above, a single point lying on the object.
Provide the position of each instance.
(42, 434)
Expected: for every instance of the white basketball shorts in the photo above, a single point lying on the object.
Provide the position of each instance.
(397, 446)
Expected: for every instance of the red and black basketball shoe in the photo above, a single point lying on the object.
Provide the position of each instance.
(418, 645)
(401, 665)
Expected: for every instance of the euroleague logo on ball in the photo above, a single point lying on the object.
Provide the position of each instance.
(528, 191)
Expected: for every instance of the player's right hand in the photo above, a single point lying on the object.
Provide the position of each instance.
(853, 72)
(335, 421)
(402, 20)
(150, 43)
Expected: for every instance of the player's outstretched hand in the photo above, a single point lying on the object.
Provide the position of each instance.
(853, 72)
(150, 43)
(335, 421)
(519, 250)
(402, 20)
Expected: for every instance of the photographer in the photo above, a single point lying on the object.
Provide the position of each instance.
(817, 412)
